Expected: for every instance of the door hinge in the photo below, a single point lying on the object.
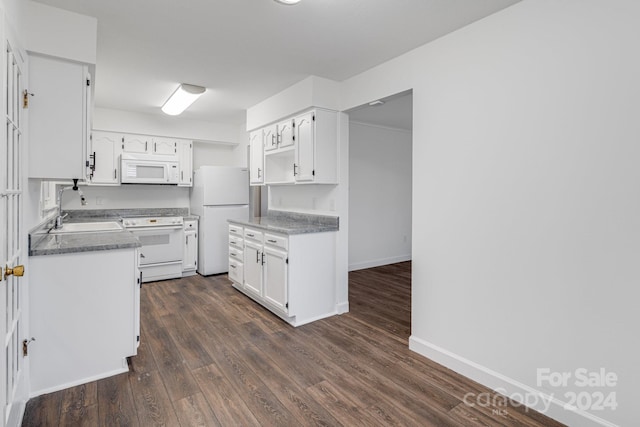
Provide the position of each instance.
(25, 99)
(287, 261)
(138, 338)
(287, 305)
(25, 346)
(88, 82)
(313, 172)
(313, 117)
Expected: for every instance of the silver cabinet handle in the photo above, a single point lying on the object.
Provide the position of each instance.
(271, 241)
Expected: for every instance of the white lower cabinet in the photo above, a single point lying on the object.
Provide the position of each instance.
(84, 317)
(291, 275)
(275, 278)
(253, 259)
(190, 256)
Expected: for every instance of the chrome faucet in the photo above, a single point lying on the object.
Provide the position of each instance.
(83, 201)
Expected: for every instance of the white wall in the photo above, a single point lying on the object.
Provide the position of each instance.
(61, 33)
(107, 119)
(311, 92)
(379, 195)
(128, 196)
(527, 221)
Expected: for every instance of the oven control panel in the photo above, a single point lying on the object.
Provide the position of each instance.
(152, 221)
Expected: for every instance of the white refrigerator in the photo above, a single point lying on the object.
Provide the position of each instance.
(219, 193)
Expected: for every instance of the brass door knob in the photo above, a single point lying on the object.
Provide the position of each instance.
(18, 271)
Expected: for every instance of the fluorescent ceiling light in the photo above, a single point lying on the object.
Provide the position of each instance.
(288, 1)
(184, 96)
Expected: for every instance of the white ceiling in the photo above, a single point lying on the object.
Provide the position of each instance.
(395, 112)
(244, 51)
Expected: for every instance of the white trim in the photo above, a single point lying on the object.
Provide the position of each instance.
(507, 386)
(379, 262)
(342, 307)
(59, 387)
(355, 122)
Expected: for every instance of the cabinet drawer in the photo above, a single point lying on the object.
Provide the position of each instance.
(276, 240)
(235, 230)
(236, 253)
(255, 235)
(236, 270)
(236, 241)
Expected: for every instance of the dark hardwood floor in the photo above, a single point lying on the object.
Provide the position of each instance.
(210, 356)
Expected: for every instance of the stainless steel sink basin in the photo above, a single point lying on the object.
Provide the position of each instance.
(87, 227)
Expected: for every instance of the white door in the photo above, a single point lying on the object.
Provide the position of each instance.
(270, 138)
(185, 162)
(275, 277)
(285, 133)
(164, 146)
(213, 250)
(304, 147)
(136, 144)
(11, 251)
(190, 258)
(256, 167)
(253, 267)
(105, 148)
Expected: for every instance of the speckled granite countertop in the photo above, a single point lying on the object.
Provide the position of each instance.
(43, 243)
(292, 223)
(55, 244)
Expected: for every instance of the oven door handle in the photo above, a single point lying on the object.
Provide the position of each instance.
(155, 228)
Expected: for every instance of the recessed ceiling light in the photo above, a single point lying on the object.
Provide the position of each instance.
(289, 2)
(179, 100)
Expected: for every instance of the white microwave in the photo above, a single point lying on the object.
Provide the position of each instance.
(148, 169)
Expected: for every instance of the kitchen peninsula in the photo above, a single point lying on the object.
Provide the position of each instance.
(286, 262)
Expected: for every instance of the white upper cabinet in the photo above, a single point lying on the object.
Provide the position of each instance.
(164, 146)
(185, 163)
(59, 117)
(270, 138)
(106, 148)
(304, 150)
(104, 158)
(303, 168)
(285, 133)
(136, 144)
(256, 167)
(145, 144)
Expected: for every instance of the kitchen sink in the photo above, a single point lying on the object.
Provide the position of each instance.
(87, 227)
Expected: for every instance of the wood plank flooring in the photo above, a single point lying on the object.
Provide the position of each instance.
(209, 356)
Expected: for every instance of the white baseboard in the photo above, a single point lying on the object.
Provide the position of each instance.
(37, 393)
(379, 262)
(342, 307)
(546, 404)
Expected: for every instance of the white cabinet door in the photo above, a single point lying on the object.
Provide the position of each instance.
(58, 118)
(270, 138)
(285, 133)
(253, 267)
(256, 167)
(190, 257)
(164, 146)
(136, 144)
(304, 133)
(104, 158)
(275, 278)
(185, 163)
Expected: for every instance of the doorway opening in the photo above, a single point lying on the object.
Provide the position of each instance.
(380, 212)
